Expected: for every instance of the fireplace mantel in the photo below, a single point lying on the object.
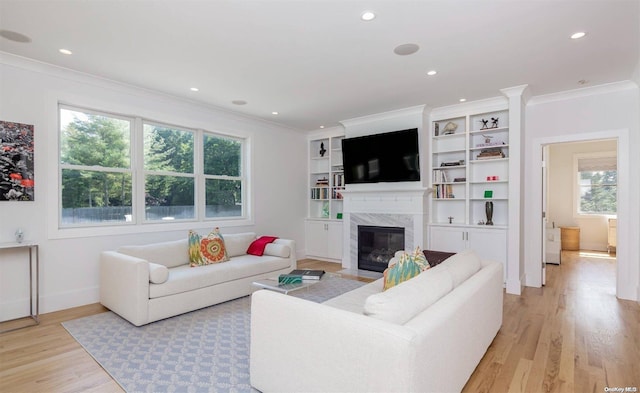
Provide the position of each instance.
(388, 206)
(389, 201)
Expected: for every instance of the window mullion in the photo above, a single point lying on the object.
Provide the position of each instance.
(138, 170)
(198, 169)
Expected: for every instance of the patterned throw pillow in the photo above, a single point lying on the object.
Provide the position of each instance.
(408, 266)
(208, 250)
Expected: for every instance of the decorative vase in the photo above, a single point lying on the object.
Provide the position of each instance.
(488, 209)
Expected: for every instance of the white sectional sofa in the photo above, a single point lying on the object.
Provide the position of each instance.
(147, 283)
(426, 334)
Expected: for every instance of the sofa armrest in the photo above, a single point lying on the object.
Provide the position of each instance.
(298, 345)
(124, 286)
(292, 246)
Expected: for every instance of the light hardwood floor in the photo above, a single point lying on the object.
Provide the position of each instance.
(571, 336)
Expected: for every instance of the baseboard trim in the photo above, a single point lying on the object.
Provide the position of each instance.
(65, 300)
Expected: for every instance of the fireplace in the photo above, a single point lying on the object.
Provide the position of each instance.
(376, 245)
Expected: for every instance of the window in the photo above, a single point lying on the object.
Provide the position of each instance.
(175, 173)
(222, 173)
(169, 180)
(95, 165)
(597, 178)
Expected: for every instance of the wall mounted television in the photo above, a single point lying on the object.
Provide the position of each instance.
(387, 157)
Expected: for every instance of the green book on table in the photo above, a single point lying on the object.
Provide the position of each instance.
(289, 279)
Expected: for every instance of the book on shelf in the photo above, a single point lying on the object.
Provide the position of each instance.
(444, 191)
(320, 193)
(490, 153)
(307, 274)
(338, 179)
(440, 176)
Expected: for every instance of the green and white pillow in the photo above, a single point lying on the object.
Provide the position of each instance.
(408, 266)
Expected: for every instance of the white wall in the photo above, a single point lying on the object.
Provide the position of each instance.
(593, 113)
(561, 180)
(29, 93)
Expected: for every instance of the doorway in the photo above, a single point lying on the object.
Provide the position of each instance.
(579, 201)
(623, 266)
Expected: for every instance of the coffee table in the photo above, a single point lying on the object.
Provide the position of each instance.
(273, 285)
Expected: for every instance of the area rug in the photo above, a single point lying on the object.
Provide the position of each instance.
(202, 351)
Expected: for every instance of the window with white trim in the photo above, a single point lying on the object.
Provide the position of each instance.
(125, 170)
(597, 188)
(96, 175)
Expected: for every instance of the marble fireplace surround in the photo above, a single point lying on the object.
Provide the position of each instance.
(386, 208)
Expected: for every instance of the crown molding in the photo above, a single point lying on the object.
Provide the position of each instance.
(583, 92)
(413, 110)
(462, 109)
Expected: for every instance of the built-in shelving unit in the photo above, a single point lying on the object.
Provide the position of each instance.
(326, 177)
(326, 186)
(469, 168)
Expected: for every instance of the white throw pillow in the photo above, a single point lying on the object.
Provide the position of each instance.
(277, 250)
(158, 274)
(399, 304)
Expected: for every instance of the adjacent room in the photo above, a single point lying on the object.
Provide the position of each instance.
(292, 196)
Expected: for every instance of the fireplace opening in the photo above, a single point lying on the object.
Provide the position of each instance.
(376, 245)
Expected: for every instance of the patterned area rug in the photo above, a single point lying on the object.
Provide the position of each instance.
(202, 351)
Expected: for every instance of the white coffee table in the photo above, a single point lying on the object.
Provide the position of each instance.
(273, 285)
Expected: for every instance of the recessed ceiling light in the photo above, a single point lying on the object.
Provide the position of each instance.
(463, 99)
(14, 36)
(239, 102)
(65, 51)
(321, 126)
(194, 89)
(432, 72)
(406, 49)
(368, 16)
(578, 35)
(274, 113)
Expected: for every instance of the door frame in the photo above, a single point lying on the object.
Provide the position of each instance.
(624, 288)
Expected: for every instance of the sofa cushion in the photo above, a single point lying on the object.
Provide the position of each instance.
(354, 300)
(185, 279)
(238, 243)
(409, 265)
(158, 273)
(170, 254)
(277, 250)
(462, 266)
(404, 301)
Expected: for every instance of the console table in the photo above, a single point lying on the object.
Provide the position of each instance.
(34, 301)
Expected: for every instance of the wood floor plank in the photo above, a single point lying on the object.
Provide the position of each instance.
(520, 376)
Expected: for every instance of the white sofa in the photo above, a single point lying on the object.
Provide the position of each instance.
(427, 334)
(147, 283)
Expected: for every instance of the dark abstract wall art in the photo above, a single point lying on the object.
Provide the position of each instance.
(16, 162)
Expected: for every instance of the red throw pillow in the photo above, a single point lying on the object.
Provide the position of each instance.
(258, 245)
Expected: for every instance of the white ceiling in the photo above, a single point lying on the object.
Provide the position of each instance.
(316, 62)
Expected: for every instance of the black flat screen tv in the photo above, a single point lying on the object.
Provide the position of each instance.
(387, 157)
